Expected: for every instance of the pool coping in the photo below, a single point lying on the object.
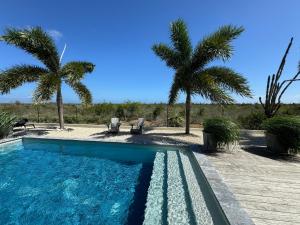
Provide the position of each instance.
(231, 207)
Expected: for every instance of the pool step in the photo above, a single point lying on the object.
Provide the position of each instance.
(199, 208)
(177, 207)
(168, 200)
(155, 198)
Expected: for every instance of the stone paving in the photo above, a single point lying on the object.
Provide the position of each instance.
(267, 188)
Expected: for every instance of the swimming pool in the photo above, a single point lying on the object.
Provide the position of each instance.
(45, 181)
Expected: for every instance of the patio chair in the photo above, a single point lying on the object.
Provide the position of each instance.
(139, 127)
(114, 126)
(23, 123)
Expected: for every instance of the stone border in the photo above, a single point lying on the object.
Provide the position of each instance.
(231, 207)
(106, 141)
(6, 140)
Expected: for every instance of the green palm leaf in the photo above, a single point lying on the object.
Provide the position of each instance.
(206, 86)
(227, 79)
(36, 42)
(82, 91)
(18, 75)
(168, 55)
(174, 91)
(46, 88)
(75, 71)
(180, 39)
(215, 46)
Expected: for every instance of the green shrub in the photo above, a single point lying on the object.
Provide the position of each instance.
(132, 110)
(71, 119)
(129, 110)
(157, 111)
(223, 130)
(120, 112)
(175, 121)
(6, 124)
(253, 121)
(104, 109)
(287, 130)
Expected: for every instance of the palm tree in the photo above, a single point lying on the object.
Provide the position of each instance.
(50, 77)
(192, 76)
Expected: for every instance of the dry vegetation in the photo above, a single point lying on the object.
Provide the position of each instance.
(247, 115)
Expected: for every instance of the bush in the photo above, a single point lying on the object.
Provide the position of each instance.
(71, 119)
(223, 130)
(175, 121)
(128, 110)
(157, 111)
(6, 124)
(120, 112)
(287, 131)
(132, 110)
(253, 121)
(104, 109)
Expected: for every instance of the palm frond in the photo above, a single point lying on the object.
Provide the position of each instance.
(46, 87)
(18, 75)
(207, 88)
(75, 71)
(167, 54)
(215, 46)
(82, 91)
(228, 79)
(174, 91)
(180, 39)
(36, 42)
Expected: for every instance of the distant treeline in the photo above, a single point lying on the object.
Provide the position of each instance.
(247, 115)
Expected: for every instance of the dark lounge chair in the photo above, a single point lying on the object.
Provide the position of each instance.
(139, 127)
(114, 126)
(23, 123)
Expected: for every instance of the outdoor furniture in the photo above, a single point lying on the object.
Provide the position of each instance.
(114, 126)
(23, 123)
(139, 127)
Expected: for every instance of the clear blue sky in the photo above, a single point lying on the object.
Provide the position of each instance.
(117, 36)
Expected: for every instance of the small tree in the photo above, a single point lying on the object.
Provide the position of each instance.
(276, 89)
(51, 75)
(193, 75)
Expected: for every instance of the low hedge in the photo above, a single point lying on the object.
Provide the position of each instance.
(286, 129)
(224, 130)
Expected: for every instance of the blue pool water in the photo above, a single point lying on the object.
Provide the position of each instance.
(69, 182)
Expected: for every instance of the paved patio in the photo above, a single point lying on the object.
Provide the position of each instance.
(268, 188)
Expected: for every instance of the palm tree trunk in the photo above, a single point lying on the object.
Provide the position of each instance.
(187, 112)
(60, 108)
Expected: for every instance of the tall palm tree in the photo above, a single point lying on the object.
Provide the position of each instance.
(192, 76)
(50, 77)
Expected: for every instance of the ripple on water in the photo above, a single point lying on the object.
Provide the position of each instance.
(40, 187)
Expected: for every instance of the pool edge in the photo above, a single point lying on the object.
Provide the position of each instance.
(7, 140)
(235, 214)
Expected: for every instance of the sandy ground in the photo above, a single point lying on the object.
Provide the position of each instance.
(151, 135)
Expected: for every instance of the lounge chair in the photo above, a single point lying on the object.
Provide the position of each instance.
(114, 126)
(139, 127)
(23, 123)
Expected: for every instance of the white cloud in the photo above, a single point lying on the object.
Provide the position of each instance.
(55, 34)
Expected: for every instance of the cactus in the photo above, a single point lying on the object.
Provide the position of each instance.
(276, 89)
